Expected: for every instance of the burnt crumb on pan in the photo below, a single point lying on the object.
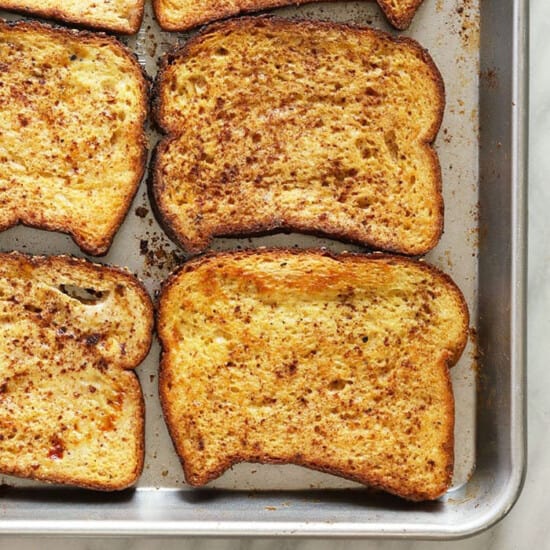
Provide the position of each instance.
(467, 24)
(141, 212)
(159, 256)
(491, 78)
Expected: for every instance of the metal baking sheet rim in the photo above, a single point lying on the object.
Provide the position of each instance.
(511, 487)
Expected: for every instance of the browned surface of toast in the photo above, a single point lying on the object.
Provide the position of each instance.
(71, 408)
(121, 16)
(338, 363)
(180, 15)
(306, 126)
(72, 143)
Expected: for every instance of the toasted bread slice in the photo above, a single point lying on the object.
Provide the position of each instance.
(337, 363)
(121, 16)
(71, 409)
(305, 126)
(180, 15)
(400, 13)
(72, 143)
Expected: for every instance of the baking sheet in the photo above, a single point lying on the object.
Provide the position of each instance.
(452, 37)
(450, 30)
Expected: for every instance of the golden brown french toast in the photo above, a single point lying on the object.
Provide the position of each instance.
(72, 143)
(339, 363)
(71, 408)
(121, 16)
(180, 15)
(400, 13)
(299, 126)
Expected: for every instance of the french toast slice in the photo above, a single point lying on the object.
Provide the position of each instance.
(180, 15)
(400, 13)
(120, 16)
(71, 407)
(299, 126)
(339, 363)
(72, 142)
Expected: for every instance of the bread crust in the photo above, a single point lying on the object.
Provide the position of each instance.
(132, 388)
(277, 223)
(102, 242)
(399, 21)
(59, 15)
(371, 479)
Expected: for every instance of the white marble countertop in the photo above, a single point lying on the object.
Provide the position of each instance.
(527, 525)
